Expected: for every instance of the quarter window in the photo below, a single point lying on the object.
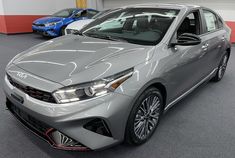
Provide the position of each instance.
(211, 21)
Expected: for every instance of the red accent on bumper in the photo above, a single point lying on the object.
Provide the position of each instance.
(52, 143)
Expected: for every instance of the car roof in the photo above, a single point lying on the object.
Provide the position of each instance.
(164, 5)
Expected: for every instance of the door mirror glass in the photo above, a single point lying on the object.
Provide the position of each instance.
(187, 39)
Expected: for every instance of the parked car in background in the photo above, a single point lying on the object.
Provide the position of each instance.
(76, 26)
(114, 81)
(55, 24)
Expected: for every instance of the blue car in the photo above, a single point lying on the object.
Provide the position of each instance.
(55, 24)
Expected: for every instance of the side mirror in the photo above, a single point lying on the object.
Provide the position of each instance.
(187, 39)
(76, 16)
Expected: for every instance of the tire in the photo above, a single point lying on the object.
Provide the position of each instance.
(62, 31)
(221, 69)
(140, 118)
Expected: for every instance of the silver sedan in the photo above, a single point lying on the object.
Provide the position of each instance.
(113, 81)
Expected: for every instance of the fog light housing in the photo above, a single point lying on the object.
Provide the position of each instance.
(98, 126)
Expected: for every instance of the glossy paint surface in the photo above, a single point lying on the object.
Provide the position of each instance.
(72, 60)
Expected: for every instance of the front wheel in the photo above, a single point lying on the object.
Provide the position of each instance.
(144, 117)
(62, 31)
(221, 68)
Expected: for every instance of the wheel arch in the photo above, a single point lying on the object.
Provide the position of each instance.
(157, 83)
(163, 91)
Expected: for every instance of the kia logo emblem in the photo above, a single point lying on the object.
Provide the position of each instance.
(21, 75)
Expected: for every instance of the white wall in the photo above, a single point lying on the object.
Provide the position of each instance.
(95, 4)
(226, 8)
(35, 7)
(1, 8)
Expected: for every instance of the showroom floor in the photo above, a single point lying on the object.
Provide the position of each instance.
(200, 126)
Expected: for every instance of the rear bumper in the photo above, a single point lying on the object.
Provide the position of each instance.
(73, 120)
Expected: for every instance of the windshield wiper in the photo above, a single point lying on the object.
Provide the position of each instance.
(117, 39)
(94, 35)
(108, 37)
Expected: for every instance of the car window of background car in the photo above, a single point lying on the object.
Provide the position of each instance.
(91, 13)
(211, 20)
(64, 13)
(81, 14)
(100, 14)
(105, 12)
(145, 26)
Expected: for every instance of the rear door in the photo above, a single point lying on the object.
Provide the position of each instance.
(213, 37)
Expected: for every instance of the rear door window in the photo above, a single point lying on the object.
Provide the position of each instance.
(211, 21)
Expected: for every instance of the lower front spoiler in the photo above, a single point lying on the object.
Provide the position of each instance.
(43, 131)
(46, 33)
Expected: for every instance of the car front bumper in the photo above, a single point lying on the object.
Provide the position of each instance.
(86, 125)
(46, 31)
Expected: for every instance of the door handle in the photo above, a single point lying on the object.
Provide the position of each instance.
(223, 38)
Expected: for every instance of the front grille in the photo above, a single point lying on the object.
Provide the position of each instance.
(68, 31)
(40, 25)
(52, 136)
(72, 31)
(32, 92)
(27, 119)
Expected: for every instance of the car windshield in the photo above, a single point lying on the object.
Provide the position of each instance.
(100, 14)
(144, 26)
(64, 13)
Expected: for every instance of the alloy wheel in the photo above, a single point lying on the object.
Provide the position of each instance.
(147, 117)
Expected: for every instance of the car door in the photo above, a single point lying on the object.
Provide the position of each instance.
(189, 64)
(214, 37)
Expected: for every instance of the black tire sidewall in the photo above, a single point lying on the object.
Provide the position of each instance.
(217, 78)
(62, 31)
(130, 136)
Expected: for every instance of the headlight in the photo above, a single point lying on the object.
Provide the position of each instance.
(92, 89)
(51, 24)
(72, 31)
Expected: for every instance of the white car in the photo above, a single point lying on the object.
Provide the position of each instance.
(76, 26)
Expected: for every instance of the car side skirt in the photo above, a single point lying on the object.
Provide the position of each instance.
(171, 104)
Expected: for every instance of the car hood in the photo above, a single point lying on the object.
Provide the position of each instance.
(76, 59)
(48, 19)
(77, 25)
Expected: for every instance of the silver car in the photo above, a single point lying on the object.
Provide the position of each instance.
(113, 82)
